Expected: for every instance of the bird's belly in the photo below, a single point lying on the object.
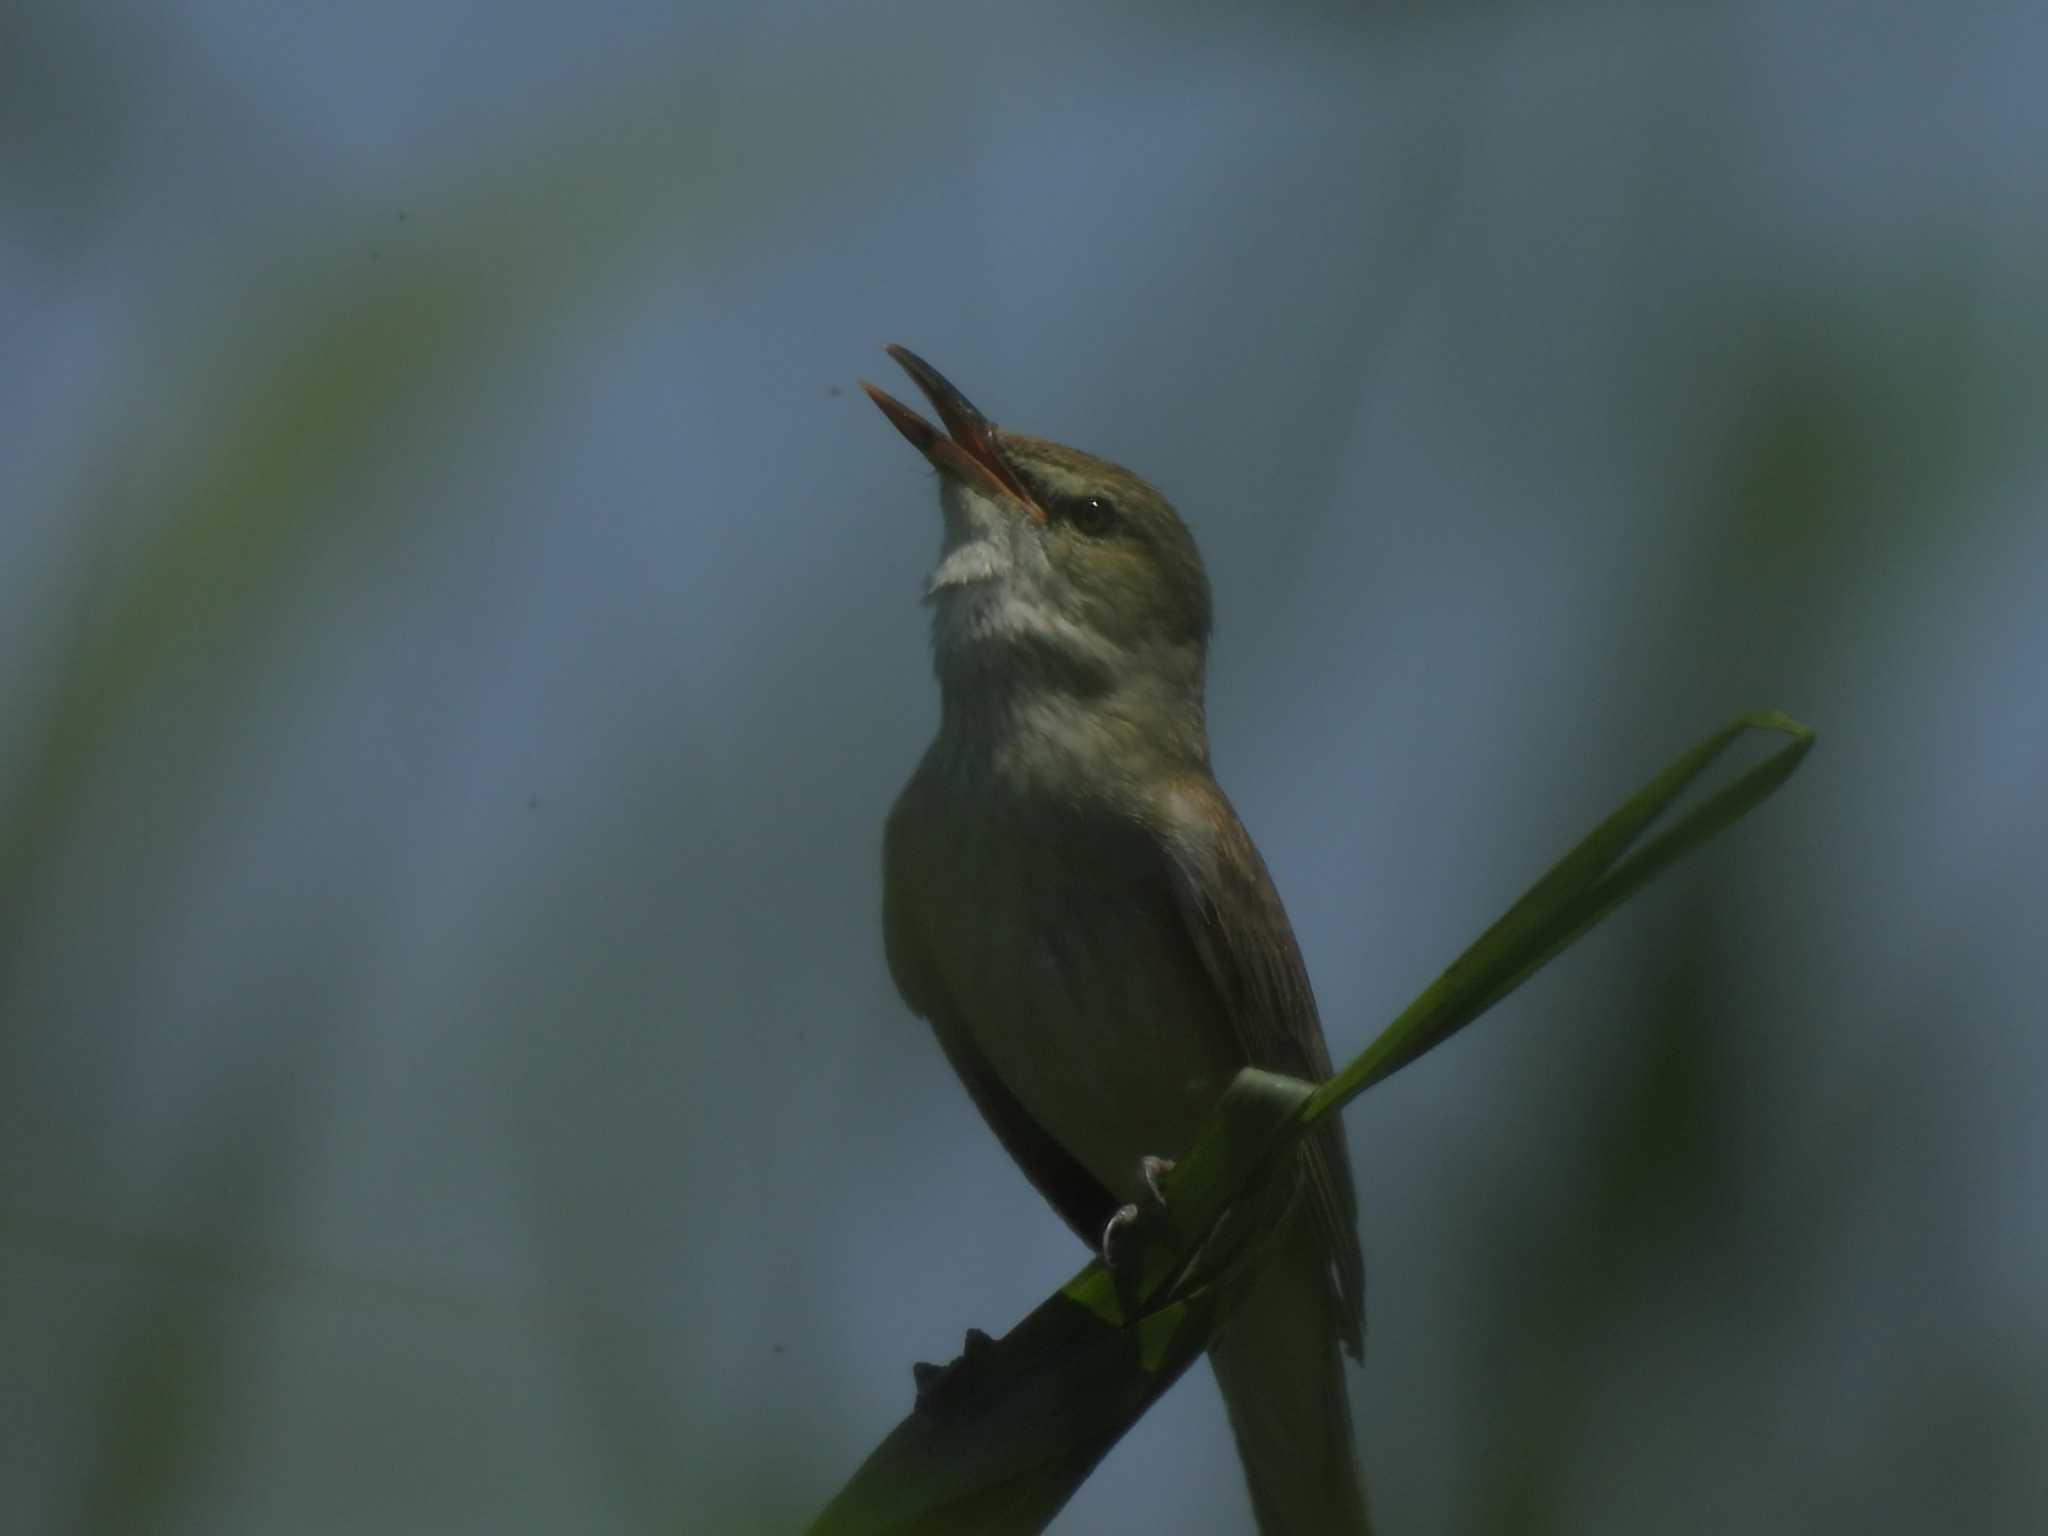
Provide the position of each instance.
(1083, 994)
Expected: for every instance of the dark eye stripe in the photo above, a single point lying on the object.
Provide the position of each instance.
(1092, 515)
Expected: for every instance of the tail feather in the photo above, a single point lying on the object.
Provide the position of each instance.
(1282, 1377)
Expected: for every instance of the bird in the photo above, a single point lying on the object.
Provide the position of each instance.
(1071, 902)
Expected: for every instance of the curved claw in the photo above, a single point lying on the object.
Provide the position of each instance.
(1125, 1216)
(1154, 1169)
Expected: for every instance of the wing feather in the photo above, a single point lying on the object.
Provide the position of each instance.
(1234, 916)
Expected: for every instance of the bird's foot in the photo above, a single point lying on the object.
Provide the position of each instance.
(1152, 1169)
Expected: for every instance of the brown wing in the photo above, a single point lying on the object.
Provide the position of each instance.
(1234, 916)
(1070, 1189)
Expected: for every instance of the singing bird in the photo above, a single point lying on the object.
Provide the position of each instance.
(1073, 905)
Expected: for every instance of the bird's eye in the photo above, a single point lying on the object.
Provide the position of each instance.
(1092, 515)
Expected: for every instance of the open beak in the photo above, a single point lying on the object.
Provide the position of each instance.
(969, 449)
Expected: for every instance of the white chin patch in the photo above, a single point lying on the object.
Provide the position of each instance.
(964, 566)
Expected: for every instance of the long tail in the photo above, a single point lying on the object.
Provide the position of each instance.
(1282, 1377)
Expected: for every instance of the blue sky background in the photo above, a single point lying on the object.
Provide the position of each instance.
(459, 639)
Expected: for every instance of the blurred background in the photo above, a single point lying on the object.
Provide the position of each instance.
(459, 638)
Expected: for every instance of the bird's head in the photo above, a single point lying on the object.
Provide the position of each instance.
(1057, 569)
